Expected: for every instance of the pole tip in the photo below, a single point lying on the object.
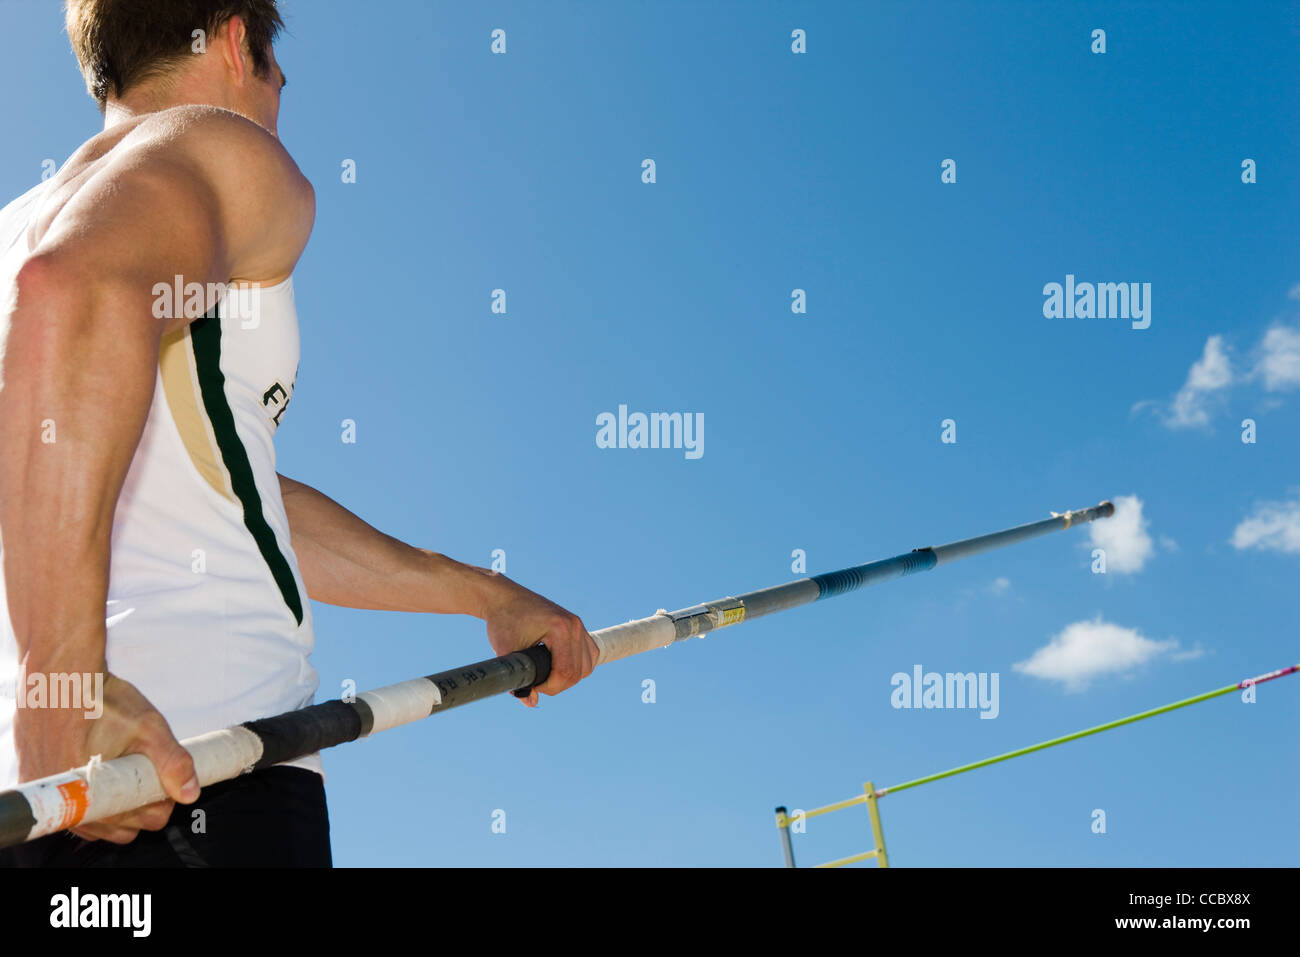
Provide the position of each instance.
(1106, 509)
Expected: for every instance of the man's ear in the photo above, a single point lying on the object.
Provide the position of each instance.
(233, 40)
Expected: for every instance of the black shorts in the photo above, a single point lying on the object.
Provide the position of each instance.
(275, 817)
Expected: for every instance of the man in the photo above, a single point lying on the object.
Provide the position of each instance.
(147, 542)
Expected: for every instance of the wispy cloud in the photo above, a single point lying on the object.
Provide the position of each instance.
(1278, 362)
(1273, 362)
(1210, 374)
(1087, 650)
(1273, 526)
(1123, 536)
(1000, 586)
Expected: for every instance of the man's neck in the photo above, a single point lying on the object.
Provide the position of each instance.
(116, 113)
(159, 95)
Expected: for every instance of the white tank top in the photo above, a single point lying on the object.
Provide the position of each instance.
(207, 613)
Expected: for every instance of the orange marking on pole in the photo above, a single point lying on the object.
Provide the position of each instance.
(76, 801)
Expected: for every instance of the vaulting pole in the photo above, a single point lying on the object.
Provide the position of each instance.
(106, 788)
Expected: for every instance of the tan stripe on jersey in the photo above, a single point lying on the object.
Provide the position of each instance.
(181, 386)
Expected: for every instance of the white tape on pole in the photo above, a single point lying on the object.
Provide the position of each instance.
(106, 788)
(55, 801)
(401, 703)
(634, 637)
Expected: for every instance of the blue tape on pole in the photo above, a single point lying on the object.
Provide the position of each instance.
(847, 579)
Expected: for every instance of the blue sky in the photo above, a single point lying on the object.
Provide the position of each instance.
(779, 171)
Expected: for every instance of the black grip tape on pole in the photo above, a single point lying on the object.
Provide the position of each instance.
(541, 658)
(297, 733)
(16, 819)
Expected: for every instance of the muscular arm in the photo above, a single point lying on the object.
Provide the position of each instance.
(79, 362)
(79, 343)
(346, 562)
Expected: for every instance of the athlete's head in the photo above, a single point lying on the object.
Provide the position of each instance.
(145, 55)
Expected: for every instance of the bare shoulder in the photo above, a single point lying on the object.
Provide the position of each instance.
(268, 206)
(228, 141)
(194, 187)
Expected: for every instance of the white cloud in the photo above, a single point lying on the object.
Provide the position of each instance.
(1274, 361)
(1274, 526)
(1209, 374)
(1000, 586)
(1091, 649)
(1279, 359)
(1123, 536)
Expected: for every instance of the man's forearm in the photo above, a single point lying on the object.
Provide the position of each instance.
(345, 561)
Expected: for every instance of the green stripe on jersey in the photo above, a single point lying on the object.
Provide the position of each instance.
(205, 333)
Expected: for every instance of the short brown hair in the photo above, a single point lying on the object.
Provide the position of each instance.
(122, 42)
